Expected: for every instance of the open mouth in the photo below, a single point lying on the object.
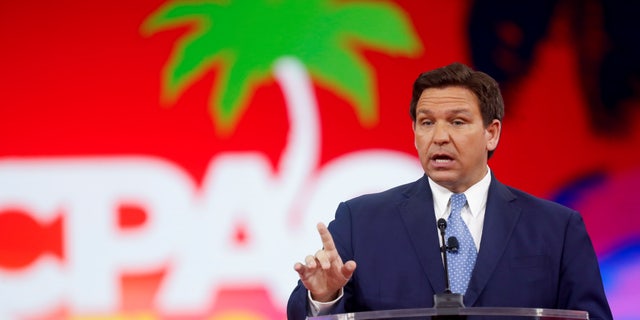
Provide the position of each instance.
(441, 158)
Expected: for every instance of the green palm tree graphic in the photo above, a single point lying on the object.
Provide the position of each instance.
(244, 39)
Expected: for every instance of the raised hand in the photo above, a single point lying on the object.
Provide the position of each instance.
(324, 273)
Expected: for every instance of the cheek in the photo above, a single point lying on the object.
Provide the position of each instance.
(421, 143)
(480, 149)
(472, 147)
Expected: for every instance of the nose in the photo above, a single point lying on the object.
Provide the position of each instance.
(441, 134)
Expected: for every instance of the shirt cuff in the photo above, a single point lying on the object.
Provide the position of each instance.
(317, 308)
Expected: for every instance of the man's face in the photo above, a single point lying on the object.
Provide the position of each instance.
(451, 139)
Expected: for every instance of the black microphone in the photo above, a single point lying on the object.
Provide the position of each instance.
(442, 225)
(447, 299)
(453, 245)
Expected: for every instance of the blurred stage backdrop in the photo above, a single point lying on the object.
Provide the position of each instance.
(170, 159)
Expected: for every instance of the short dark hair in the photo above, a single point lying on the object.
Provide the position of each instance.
(483, 86)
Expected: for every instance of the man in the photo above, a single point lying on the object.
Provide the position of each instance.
(382, 251)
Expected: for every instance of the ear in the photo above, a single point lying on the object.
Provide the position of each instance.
(492, 133)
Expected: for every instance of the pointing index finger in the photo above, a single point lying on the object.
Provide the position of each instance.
(327, 239)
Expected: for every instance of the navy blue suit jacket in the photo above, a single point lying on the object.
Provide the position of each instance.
(534, 253)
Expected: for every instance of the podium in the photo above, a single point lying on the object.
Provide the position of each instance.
(471, 313)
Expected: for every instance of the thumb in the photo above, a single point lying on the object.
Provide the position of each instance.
(348, 268)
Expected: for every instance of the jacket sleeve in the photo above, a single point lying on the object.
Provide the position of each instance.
(580, 280)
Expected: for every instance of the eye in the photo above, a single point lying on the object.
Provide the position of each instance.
(458, 122)
(426, 122)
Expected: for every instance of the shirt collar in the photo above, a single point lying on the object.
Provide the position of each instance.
(476, 196)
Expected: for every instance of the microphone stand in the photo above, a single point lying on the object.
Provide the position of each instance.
(447, 299)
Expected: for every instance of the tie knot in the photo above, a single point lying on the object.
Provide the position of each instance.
(458, 201)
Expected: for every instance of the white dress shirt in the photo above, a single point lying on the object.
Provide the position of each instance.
(472, 215)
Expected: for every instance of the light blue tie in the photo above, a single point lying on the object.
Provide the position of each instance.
(461, 263)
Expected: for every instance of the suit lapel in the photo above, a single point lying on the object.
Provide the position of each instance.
(501, 216)
(419, 220)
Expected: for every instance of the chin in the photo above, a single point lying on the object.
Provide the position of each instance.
(441, 178)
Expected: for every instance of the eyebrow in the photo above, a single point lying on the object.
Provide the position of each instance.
(448, 112)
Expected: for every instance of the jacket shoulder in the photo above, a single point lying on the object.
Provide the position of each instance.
(395, 194)
(541, 206)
